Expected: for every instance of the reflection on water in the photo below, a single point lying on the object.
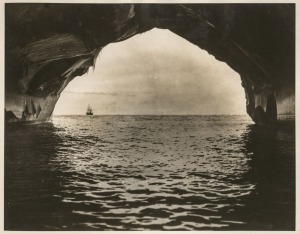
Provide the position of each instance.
(150, 173)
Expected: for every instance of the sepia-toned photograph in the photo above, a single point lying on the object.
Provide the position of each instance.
(149, 117)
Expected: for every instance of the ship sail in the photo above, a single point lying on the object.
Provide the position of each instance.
(89, 110)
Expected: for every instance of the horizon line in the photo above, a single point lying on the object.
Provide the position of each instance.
(144, 114)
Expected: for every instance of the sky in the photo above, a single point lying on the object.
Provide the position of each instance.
(155, 73)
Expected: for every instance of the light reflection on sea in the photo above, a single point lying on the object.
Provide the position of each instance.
(150, 173)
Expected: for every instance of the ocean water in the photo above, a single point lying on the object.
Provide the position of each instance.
(150, 173)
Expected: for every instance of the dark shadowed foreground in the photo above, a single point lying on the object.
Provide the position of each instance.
(150, 173)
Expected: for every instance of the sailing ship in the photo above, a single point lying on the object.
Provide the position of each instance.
(89, 110)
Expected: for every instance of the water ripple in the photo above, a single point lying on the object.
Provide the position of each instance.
(149, 173)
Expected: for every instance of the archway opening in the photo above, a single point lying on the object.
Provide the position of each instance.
(158, 73)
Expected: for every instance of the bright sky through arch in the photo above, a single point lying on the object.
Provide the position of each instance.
(155, 73)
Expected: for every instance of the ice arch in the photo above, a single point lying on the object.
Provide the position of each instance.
(170, 76)
(44, 53)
